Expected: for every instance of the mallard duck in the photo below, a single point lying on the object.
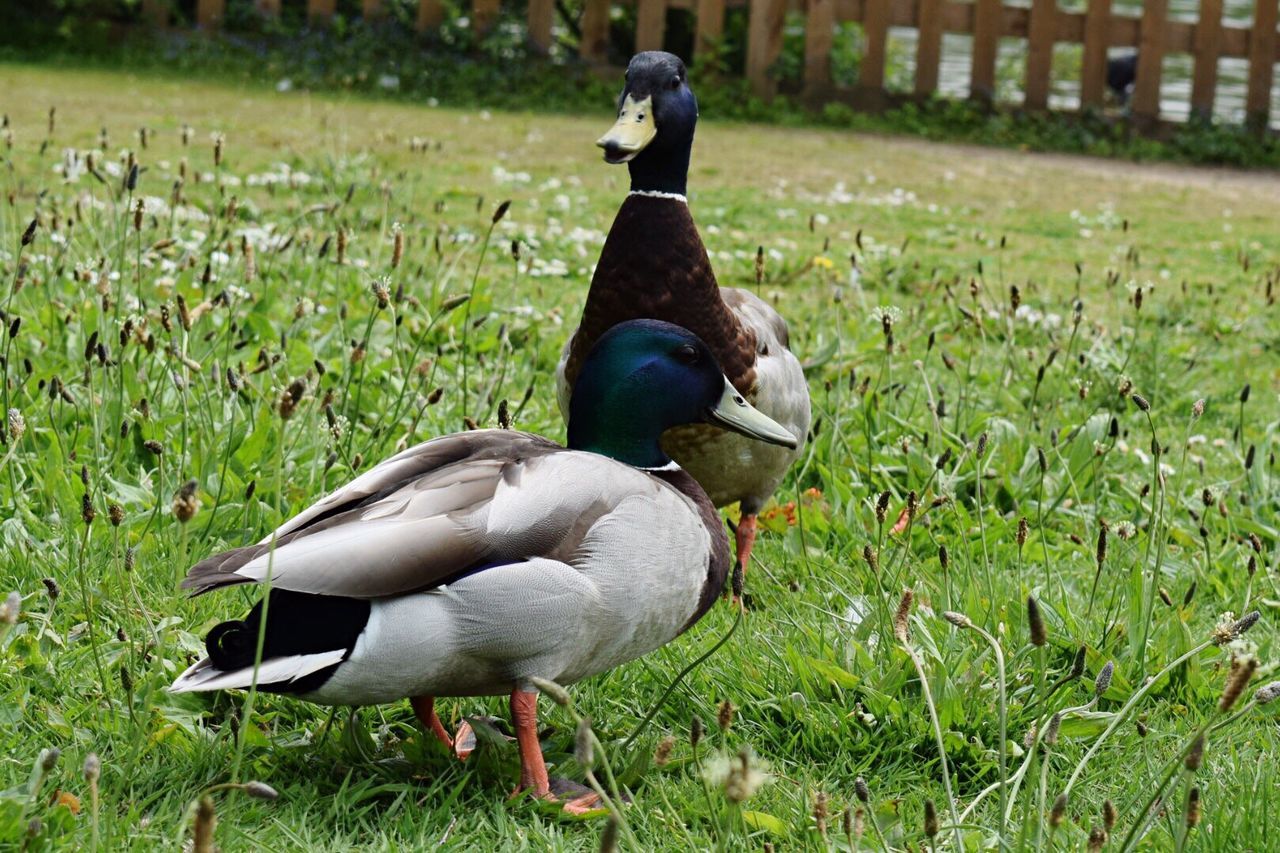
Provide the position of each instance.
(654, 265)
(473, 563)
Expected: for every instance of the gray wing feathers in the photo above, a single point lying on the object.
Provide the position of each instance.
(412, 464)
(757, 315)
(431, 514)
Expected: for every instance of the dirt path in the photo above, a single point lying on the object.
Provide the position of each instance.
(1263, 182)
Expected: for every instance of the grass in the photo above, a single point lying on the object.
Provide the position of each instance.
(977, 415)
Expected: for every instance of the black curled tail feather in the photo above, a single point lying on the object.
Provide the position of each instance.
(231, 645)
(298, 623)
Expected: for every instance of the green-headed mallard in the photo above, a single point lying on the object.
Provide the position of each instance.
(474, 563)
(653, 265)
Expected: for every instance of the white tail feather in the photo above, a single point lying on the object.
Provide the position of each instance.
(203, 676)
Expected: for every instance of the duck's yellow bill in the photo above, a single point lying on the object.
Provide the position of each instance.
(734, 413)
(633, 130)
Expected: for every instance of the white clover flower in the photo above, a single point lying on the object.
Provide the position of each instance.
(1242, 647)
(503, 176)
(739, 776)
(339, 428)
(946, 485)
(10, 609)
(716, 770)
(881, 312)
(17, 424)
(1028, 314)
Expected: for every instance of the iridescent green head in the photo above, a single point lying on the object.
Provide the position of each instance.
(644, 377)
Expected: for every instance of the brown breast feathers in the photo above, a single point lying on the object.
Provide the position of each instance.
(654, 267)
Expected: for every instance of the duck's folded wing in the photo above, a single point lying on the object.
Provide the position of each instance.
(765, 323)
(423, 517)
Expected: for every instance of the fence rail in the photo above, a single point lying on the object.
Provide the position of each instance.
(1042, 25)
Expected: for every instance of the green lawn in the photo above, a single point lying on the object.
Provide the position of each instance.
(265, 264)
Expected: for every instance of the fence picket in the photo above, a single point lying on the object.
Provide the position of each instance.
(764, 43)
(1093, 64)
(929, 46)
(209, 13)
(1262, 58)
(484, 13)
(710, 26)
(155, 12)
(1040, 33)
(594, 45)
(430, 15)
(819, 34)
(540, 16)
(651, 24)
(988, 19)
(371, 10)
(870, 92)
(1146, 88)
(320, 11)
(1207, 42)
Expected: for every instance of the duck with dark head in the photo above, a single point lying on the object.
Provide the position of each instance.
(655, 266)
(656, 95)
(489, 562)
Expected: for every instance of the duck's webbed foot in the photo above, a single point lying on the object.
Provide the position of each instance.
(574, 798)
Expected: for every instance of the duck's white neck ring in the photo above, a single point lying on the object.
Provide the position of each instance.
(656, 194)
(670, 466)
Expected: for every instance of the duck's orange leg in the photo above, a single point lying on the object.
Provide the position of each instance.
(524, 719)
(533, 768)
(745, 538)
(425, 709)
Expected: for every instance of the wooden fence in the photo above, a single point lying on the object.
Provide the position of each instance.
(1041, 25)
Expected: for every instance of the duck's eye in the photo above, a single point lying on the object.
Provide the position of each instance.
(687, 354)
(675, 83)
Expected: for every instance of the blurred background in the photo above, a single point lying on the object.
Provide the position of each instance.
(936, 67)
